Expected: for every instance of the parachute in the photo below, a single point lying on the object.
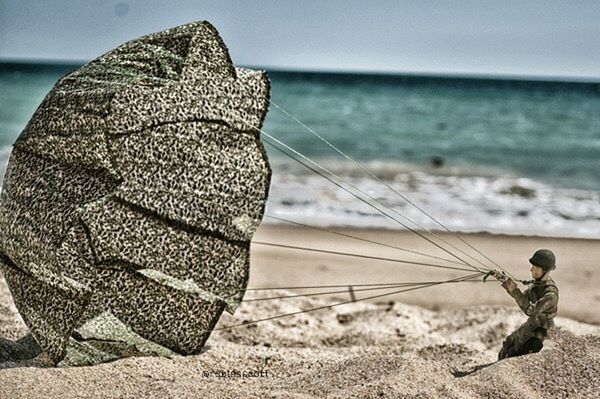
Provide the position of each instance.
(131, 197)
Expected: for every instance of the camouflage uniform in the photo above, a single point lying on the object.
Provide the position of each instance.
(539, 302)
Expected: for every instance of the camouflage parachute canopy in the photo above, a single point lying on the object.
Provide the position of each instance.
(131, 197)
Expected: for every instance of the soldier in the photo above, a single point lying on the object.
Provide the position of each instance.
(539, 302)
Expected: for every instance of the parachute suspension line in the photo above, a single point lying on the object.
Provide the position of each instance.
(374, 288)
(324, 251)
(475, 275)
(397, 284)
(306, 287)
(362, 239)
(352, 255)
(339, 184)
(404, 197)
(372, 201)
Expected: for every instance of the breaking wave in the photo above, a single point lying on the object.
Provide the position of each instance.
(465, 200)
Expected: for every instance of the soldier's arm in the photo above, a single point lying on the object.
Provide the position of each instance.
(522, 299)
(546, 303)
(543, 306)
(543, 310)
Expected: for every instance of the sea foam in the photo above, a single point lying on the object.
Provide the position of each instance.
(459, 200)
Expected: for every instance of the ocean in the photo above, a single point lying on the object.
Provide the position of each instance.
(514, 156)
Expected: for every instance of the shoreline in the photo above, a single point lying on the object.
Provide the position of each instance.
(392, 229)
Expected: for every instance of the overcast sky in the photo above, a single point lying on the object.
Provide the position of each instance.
(524, 37)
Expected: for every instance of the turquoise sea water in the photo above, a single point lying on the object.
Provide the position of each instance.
(544, 130)
(496, 142)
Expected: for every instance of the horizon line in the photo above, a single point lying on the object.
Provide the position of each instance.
(349, 71)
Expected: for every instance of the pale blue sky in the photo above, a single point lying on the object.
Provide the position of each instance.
(525, 37)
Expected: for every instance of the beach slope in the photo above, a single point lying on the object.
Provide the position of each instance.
(439, 341)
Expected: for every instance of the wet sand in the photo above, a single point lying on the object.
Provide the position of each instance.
(440, 341)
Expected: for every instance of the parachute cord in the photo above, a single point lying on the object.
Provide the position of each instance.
(324, 251)
(337, 253)
(475, 275)
(405, 198)
(362, 199)
(306, 287)
(375, 288)
(362, 239)
(339, 184)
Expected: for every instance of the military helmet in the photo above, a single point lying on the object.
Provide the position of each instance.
(544, 258)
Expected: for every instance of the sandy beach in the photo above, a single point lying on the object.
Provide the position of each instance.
(440, 341)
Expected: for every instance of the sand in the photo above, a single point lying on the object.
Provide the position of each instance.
(440, 341)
